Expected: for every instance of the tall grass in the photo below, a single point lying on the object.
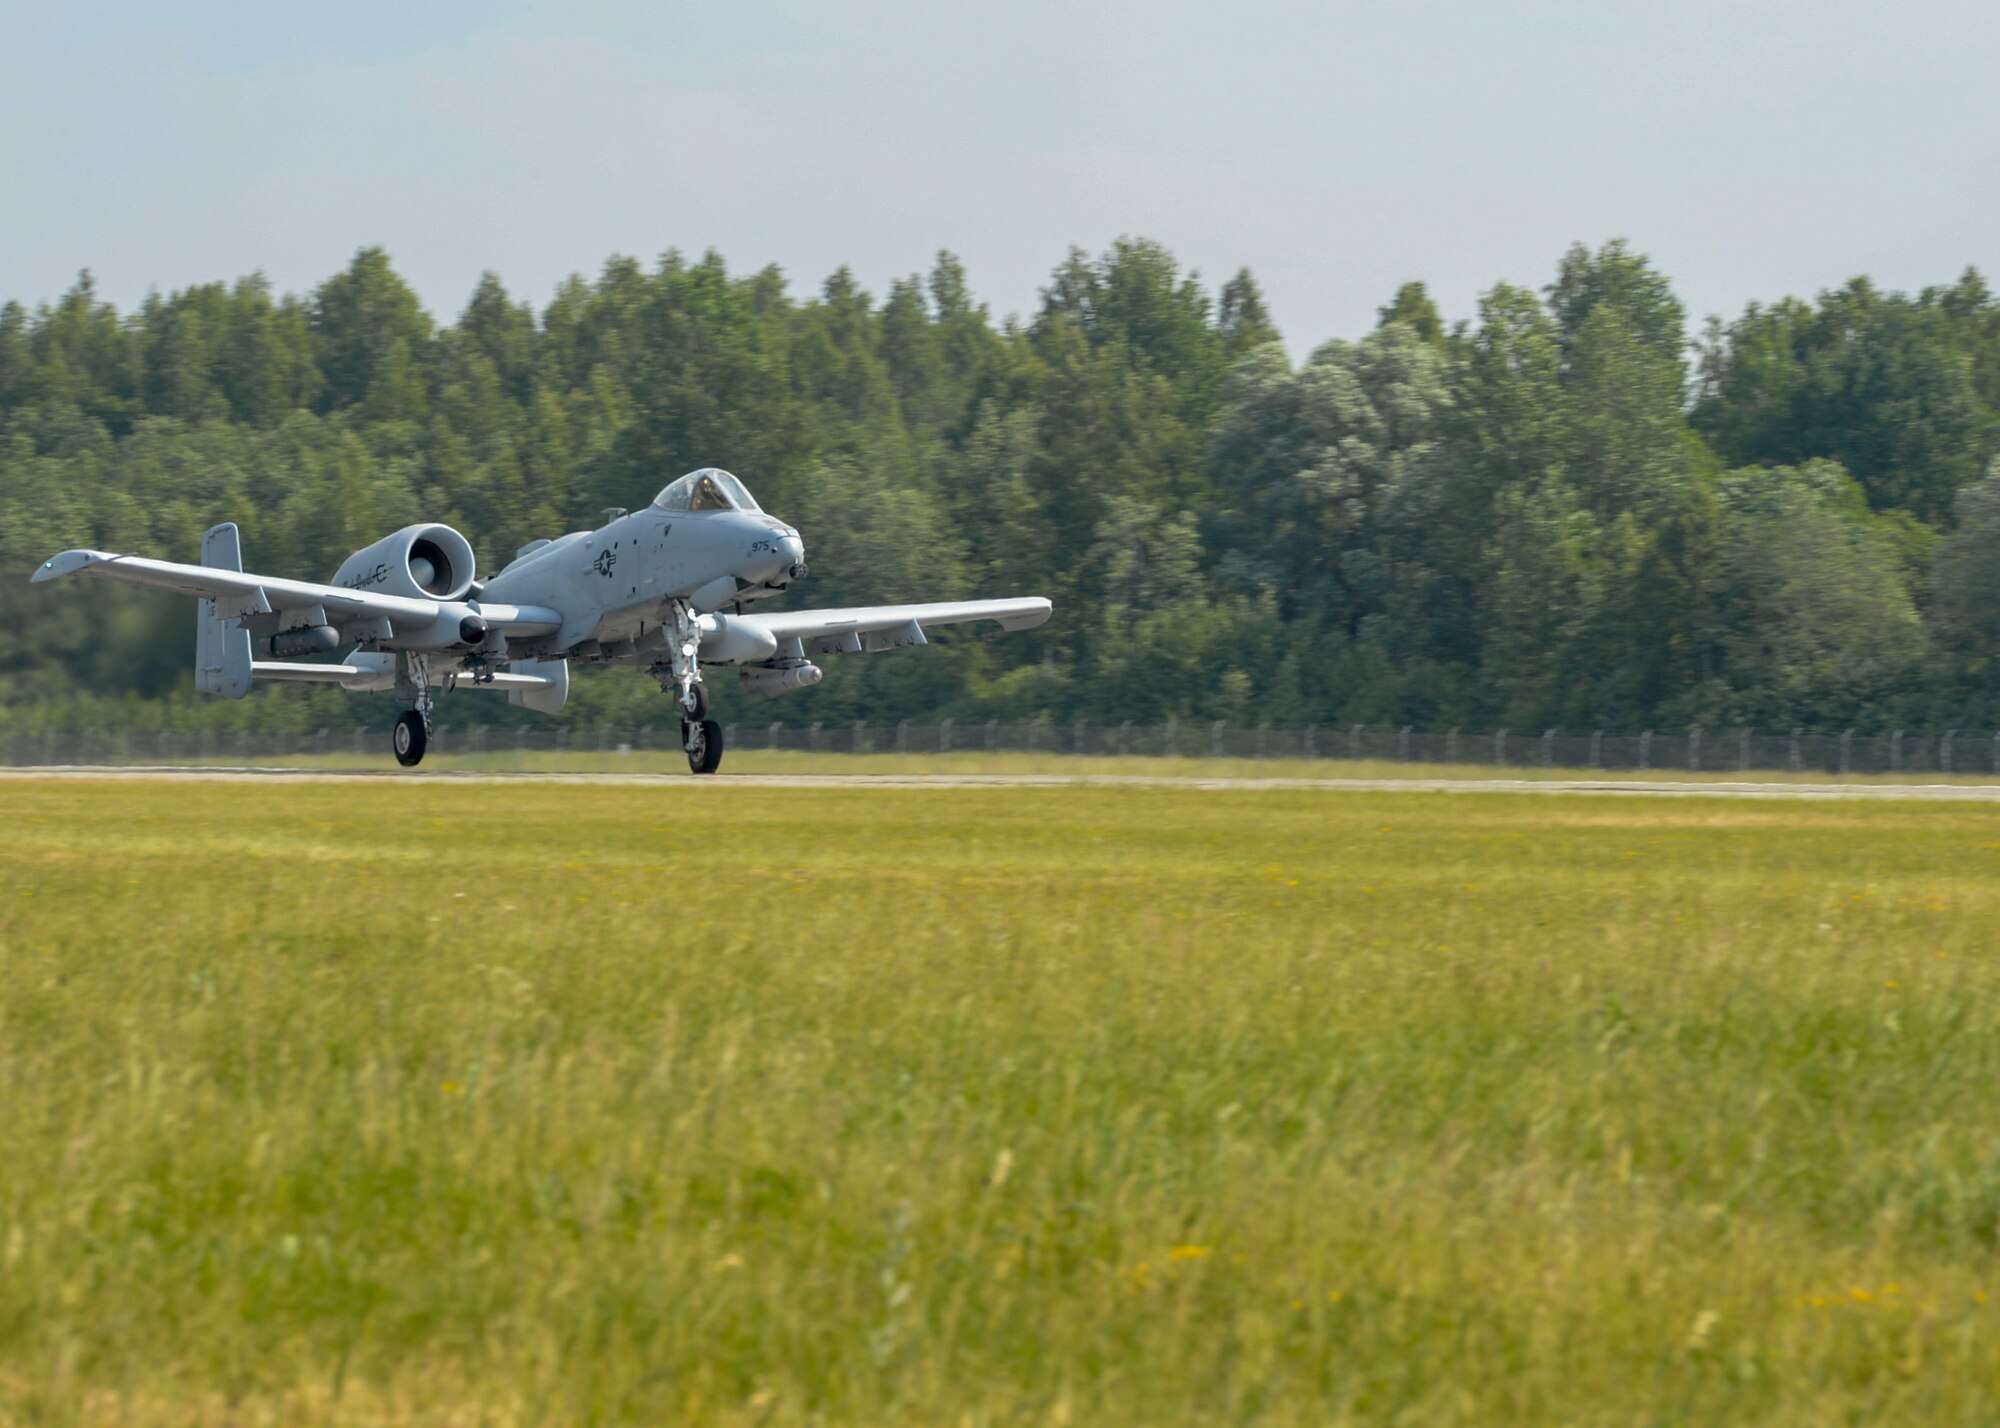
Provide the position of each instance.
(404, 1103)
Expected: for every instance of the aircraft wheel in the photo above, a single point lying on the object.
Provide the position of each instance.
(408, 738)
(703, 742)
(699, 693)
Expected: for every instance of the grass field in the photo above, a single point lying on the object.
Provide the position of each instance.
(1014, 764)
(420, 1103)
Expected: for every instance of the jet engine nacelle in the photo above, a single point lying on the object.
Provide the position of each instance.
(427, 562)
(773, 682)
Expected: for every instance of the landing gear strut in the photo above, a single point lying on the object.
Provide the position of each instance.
(412, 733)
(680, 672)
(702, 738)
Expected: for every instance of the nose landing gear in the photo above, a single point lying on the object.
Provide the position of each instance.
(702, 739)
(680, 673)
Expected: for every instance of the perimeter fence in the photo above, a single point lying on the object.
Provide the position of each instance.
(1720, 752)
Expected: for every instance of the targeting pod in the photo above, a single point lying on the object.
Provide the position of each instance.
(303, 640)
(773, 682)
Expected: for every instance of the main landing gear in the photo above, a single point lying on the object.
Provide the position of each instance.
(409, 738)
(412, 733)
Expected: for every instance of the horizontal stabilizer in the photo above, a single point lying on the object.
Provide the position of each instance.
(534, 683)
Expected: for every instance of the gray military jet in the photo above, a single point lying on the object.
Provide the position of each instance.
(663, 588)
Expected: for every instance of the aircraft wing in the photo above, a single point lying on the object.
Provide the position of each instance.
(882, 627)
(237, 593)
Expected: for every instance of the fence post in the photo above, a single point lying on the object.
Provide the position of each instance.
(1500, 749)
(1451, 745)
(1354, 741)
(1548, 748)
(903, 736)
(1173, 737)
(521, 739)
(1081, 737)
(1597, 748)
(773, 732)
(1403, 744)
(860, 736)
(1896, 752)
(1694, 749)
(1215, 740)
(812, 738)
(1125, 738)
(1798, 764)
(944, 737)
(1310, 742)
(1645, 750)
(1263, 730)
(992, 736)
(1944, 751)
(1846, 752)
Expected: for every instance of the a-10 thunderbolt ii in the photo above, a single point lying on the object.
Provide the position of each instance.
(664, 589)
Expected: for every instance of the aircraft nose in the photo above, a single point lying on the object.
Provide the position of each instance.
(793, 549)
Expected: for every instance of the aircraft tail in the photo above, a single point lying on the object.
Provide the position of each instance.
(221, 652)
(547, 697)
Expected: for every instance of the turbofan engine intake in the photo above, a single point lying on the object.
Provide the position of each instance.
(425, 562)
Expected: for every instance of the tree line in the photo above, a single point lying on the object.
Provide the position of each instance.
(1558, 512)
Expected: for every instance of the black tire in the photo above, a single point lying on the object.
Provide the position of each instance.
(700, 710)
(703, 742)
(408, 738)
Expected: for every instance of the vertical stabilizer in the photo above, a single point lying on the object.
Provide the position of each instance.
(221, 651)
(550, 698)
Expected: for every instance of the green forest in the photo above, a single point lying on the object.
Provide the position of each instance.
(1566, 510)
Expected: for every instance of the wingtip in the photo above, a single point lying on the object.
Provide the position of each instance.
(53, 568)
(1038, 612)
(68, 563)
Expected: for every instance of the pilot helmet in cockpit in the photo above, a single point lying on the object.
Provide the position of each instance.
(710, 489)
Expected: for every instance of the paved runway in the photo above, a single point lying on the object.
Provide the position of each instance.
(180, 773)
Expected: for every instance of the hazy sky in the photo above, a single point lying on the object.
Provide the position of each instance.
(1753, 147)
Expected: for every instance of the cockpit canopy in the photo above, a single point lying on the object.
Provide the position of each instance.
(709, 489)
